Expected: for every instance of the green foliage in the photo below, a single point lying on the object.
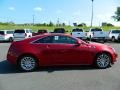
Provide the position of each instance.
(117, 14)
(50, 28)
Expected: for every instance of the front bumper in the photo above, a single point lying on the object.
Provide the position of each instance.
(100, 38)
(114, 57)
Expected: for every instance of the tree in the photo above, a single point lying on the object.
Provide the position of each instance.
(117, 14)
(82, 25)
(50, 24)
(75, 24)
(63, 24)
(107, 24)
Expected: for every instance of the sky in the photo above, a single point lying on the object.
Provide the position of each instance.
(67, 11)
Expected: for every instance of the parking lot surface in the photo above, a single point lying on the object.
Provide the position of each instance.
(59, 78)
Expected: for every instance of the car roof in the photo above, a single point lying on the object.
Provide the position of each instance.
(47, 34)
(28, 40)
(52, 34)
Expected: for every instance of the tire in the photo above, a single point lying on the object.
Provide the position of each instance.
(103, 61)
(27, 63)
(113, 39)
(10, 39)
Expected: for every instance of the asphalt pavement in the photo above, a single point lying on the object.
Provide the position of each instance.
(59, 78)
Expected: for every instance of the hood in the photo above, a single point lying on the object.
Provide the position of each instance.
(97, 45)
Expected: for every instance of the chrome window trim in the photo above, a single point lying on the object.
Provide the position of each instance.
(51, 43)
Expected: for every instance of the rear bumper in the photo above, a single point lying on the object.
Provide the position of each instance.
(18, 38)
(12, 58)
(100, 38)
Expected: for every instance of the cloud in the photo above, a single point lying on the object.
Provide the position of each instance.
(11, 8)
(38, 9)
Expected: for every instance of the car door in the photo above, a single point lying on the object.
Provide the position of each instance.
(62, 50)
(65, 50)
(54, 50)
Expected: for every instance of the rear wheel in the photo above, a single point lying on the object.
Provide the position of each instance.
(11, 39)
(103, 60)
(27, 63)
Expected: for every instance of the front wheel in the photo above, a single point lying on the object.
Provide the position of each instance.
(103, 60)
(27, 63)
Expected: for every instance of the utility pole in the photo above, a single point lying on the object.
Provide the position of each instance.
(33, 19)
(58, 22)
(92, 14)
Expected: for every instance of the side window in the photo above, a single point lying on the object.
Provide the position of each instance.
(27, 31)
(47, 39)
(64, 39)
(30, 31)
(9, 32)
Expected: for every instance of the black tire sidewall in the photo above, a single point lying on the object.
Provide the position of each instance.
(21, 69)
(107, 65)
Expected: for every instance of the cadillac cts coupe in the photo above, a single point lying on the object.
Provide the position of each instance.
(59, 49)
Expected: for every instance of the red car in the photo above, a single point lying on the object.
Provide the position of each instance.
(59, 49)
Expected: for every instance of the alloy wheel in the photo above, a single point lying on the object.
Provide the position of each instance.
(103, 60)
(27, 63)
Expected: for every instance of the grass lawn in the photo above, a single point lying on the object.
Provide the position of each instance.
(49, 28)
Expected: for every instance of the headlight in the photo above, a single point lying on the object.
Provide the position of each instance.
(113, 49)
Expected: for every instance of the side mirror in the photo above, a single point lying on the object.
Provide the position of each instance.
(77, 44)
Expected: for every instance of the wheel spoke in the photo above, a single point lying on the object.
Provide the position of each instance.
(28, 63)
(103, 60)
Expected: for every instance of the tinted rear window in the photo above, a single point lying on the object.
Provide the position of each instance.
(59, 30)
(42, 31)
(77, 30)
(96, 29)
(19, 31)
(2, 32)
